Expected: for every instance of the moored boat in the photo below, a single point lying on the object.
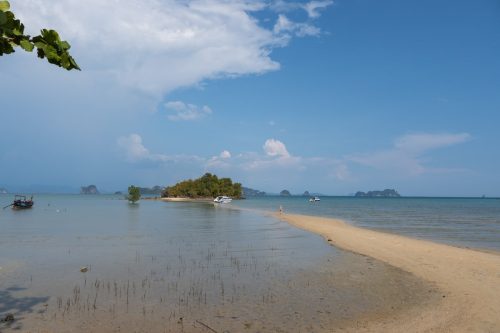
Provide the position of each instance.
(21, 202)
(314, 199)
(223, 199)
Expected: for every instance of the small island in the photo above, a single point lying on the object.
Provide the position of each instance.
(249, 192)
(285, 193)
(3, 190)
(387, 193)
(91, 189)
(205, 187)
(155, 190)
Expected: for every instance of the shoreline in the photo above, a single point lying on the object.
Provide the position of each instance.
(182, 199)
(469, 279)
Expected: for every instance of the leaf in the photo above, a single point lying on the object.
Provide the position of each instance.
(64, 45)
(26, 45)
(4, 6)
(51, 36)
(17, 32)
(5, 46)
(3, 18)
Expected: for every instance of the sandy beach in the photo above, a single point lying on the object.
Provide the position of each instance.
(468, 280)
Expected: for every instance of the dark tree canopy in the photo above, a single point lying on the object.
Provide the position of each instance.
(48, 44)
(134, 193)
(207, 186)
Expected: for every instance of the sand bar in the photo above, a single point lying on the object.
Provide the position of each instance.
(469, 279)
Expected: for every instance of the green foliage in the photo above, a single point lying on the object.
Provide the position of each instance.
(134, 194)
(207, 186)
(48, 44)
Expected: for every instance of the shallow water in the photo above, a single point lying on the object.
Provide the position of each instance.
(170, 267)
(467, 222)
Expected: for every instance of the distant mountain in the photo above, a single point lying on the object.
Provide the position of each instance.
(154, 190)
(3, 191)
(387, 193)
(91, 189)
(285, 193)
(249, 192)
(306, 194)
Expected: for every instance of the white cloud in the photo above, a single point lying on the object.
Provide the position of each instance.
(312, 8)
(407, 154)
(157, 46)
(285, 26)
(341, 172)
(425, 141)
(275, 159)
(187, 112)
(275, 156)
(225, 154)
(274, 147)
(222, 161)
(136, 152)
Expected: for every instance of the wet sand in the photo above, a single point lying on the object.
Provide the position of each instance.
(342, 293)
(468, 280)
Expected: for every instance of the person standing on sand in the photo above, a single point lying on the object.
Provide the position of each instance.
(281, 209)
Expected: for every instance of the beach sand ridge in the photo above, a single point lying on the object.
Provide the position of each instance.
(469, 279)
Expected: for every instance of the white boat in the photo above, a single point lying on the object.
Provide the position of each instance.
(314, 199)
(223, 199)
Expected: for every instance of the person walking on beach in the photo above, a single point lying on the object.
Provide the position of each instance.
(281, 209)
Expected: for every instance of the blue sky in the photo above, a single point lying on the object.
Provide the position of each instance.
(325, 96)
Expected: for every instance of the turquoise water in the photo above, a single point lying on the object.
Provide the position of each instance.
(153, 266)
(95, 228)
(467, 222)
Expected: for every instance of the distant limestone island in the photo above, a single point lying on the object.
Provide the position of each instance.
(285, 193)
(3, 190)
(249, 192)
(155, 190)
(387, 193)
(91, 189)
(207, 186)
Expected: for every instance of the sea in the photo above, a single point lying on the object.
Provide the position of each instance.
(463, 222)
(86, 263)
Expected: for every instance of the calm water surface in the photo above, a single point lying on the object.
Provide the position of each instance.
(468, 222)
(168, 267)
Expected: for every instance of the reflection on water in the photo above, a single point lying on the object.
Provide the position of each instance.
(169, 267)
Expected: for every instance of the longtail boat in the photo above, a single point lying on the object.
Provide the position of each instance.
(21, 202)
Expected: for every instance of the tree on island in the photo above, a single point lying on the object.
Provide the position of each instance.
(134, 194)
(48, 44)
(207, 186)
